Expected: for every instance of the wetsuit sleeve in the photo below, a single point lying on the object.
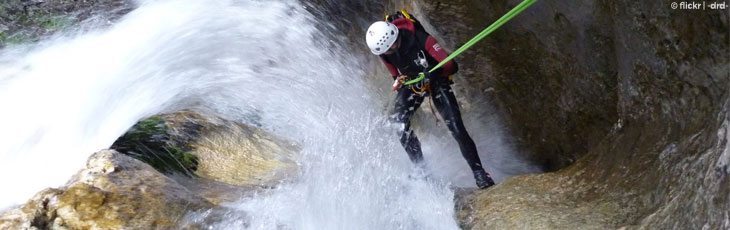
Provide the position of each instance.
(391, 67)
(439, 54)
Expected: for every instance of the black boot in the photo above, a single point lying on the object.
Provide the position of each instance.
(483, 179)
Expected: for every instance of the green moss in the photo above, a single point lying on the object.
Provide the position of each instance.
(3, 11)
(149, 141)
(52, 23)
(13, 39)
(29, 26)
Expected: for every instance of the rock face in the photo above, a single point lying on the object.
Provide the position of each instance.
(114, 191)
(627, 99)
(24, 21)
(635, 91)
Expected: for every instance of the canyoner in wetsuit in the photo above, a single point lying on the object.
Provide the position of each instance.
(407, 49)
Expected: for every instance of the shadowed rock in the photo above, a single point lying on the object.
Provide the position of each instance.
(631, 96)
(626, 100)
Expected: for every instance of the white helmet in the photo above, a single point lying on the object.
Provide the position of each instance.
(380, 36)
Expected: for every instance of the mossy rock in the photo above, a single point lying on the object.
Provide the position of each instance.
(150, 141)
(29, 21)
(209, 147)
(14, 38)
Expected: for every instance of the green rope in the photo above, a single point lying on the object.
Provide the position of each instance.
(501, 21)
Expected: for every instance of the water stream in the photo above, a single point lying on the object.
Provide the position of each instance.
(261, 62)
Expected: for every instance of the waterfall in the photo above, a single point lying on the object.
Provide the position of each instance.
(262, 62)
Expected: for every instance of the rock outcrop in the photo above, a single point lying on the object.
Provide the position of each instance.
(211, 148)
(237, 154)
(117, 191)
(114, 191)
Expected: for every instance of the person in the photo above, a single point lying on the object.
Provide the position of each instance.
(407, 49)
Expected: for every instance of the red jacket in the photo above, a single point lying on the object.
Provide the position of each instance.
(415, 46)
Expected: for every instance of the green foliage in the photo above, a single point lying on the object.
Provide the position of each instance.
(149, 141)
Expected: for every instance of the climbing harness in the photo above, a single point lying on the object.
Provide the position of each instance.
(501, 21)
(421, 89)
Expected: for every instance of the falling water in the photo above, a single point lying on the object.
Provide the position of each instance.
(262, 62)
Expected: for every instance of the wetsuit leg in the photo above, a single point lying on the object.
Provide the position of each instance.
(406, 104)
(445, 102)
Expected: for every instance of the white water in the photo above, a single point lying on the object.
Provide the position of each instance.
(262, 62)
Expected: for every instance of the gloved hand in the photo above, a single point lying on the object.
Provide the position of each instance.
(399, 82)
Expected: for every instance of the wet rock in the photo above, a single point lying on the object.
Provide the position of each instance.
(241, 155)
(23, 21)
(149, 141)
(534, 202)
(117, 191)
(627, 99)
(630, 180)
(114, 191)
(210, 148)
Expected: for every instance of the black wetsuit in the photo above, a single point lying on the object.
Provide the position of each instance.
(415, 46)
